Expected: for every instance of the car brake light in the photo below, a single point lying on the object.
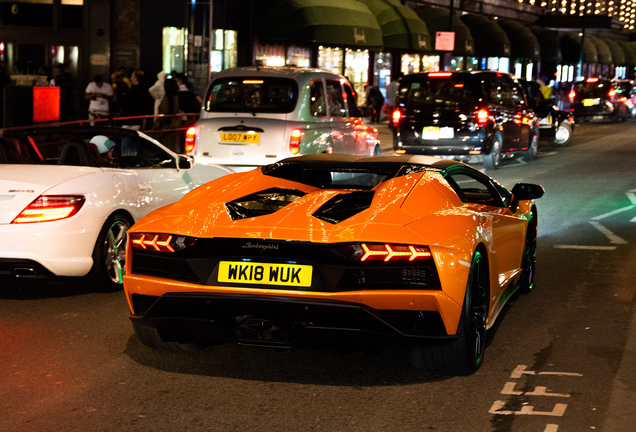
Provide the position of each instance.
(386, 252)
(611, 93)
(482, 117)
(191, 134)
(591, 80)
(396, 115)
(47, 208)
(572, 94)
(294, 141)
(161, 242)
(440, 74)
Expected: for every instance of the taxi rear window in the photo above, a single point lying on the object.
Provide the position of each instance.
(435, 90)
(252, 95)
(598, 89)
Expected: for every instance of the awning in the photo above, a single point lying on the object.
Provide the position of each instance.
(571, 48)
(618, 55)
(549, 43)
(523, 43)
(341, 23)
(436, 20)
(490, 39)
(401, 28)
(604, 53)
(629, 51)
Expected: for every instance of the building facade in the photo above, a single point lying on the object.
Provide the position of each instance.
(369, 41)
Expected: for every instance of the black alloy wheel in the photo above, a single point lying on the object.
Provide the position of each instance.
(109, 255)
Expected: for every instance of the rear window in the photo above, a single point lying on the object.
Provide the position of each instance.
(252, 95)
(598, 89)
(436, 90)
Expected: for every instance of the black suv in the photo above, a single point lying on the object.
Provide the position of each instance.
(555, 125)
(460, 114)
(597, 99)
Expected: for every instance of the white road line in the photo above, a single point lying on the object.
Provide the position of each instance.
(581, 247)
(610, 235)
(612, 213)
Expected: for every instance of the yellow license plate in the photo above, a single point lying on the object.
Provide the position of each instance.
(588, 102)
(297, 275)
(430, 132)
(241, 137)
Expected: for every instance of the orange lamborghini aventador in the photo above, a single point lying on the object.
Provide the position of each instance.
(414, 250)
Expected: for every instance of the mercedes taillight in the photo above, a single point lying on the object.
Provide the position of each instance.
(47, 208)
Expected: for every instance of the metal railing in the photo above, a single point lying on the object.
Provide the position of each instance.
(173, 138)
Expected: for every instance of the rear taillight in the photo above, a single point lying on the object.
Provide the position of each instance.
(294, 141)
(386, 252)
(161, 242)
(191, 134)
(47, 208)
(482, 117)
(572, 94)
(396, 115)
(440, 74)
(611, 93)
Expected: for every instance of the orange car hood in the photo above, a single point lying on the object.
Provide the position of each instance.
(202, 213)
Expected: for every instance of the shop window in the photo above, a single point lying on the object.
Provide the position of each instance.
(174, 47)
(330, 59)
(357, 69)
(224, 50)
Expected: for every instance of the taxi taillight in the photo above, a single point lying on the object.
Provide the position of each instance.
(396, 115)
(482, 117)
(191, 135)
(294, 141)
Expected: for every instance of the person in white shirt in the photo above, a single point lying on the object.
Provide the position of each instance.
(99, 93)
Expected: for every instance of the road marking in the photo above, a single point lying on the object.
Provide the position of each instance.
(551, 428)
(603, 248)
(557, 411)
(610, 235)
(614, 212)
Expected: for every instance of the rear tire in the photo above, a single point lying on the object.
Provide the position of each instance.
(493, 159)
(532, 151)
(563, 134)
(109, 254)
(529, 258)
(465, 354)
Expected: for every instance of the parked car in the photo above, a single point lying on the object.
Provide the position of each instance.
(555, 125)
(69, 194)
(355, 250)
(625, 91)
(461, 114)
(254, 116)
(597, 99)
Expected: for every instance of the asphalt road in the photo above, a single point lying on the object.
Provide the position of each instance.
(561, 358)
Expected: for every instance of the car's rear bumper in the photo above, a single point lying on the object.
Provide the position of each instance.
(61, 248)
(277, 321)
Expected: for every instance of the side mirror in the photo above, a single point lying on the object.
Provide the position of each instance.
(523, 192)
(184, 162)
